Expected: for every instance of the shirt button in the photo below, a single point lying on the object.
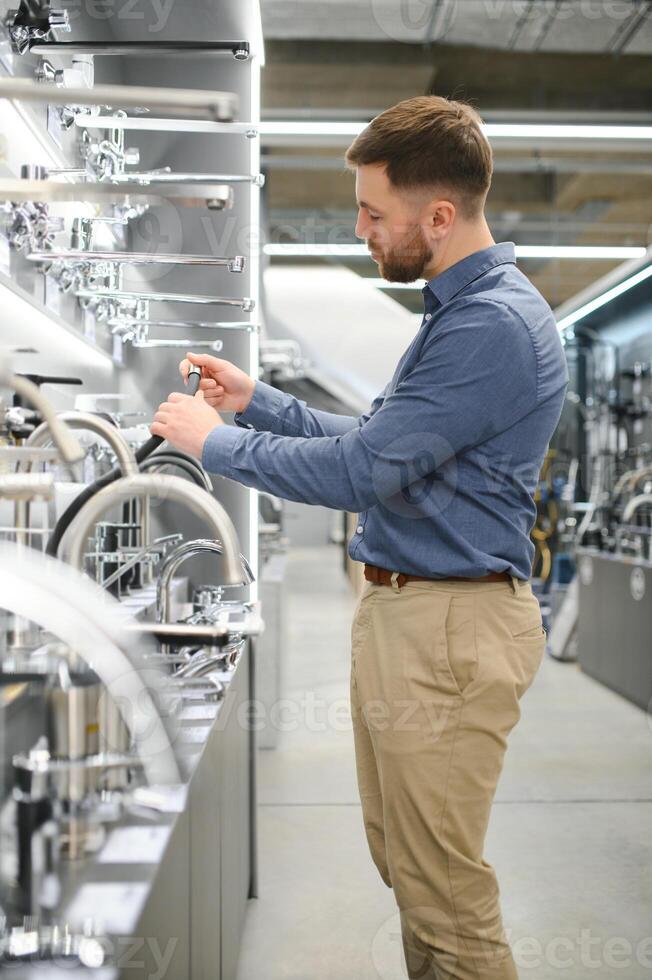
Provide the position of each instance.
(359, 529)
(428, 315)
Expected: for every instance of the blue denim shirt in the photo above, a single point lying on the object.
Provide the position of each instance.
(442, 468)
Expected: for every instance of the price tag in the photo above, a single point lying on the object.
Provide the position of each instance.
(5, 255)
(118, 351)
(52, 295)
(55, 130)
(6, 54)
(89, 326)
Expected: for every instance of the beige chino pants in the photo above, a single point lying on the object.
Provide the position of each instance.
(437, 672)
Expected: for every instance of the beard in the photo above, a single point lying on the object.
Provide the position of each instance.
(406, 261)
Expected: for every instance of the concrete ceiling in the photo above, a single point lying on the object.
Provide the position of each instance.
(547, 61)
(519, 25)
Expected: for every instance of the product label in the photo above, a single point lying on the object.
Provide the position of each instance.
(55, 130)
(52, 295)
(89, 326)
(5, 255)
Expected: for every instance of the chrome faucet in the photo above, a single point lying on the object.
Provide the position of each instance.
(173, 488)
(64, 440)
(634, 504)
(91, 423)
(175, 559)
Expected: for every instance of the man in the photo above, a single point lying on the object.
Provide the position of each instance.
(447, 633)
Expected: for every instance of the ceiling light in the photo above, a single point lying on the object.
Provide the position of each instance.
(604, 298)
(324, 250)
(493, 131)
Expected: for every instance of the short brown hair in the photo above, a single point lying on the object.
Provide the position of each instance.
(430, 141)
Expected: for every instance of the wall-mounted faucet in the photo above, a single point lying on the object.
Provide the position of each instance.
(239, 49)
(235, 263)
(123, 296)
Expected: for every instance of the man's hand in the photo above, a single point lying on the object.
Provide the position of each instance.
(225, 386)
(185, 422)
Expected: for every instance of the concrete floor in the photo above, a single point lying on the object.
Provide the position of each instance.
(570, 835)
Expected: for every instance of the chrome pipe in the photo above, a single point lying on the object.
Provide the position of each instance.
(120, 295)
(214, 345)
(128, 321)
(150, 124)
(233, 264)
(239, 49)
(166, 176)
(191, 103)
(164, 487)
(217, 198)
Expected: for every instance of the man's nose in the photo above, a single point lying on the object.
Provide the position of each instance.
(360, 226)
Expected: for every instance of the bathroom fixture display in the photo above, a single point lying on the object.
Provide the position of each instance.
(172, 488)
(235, 263)
(191, 103)
(113, 842)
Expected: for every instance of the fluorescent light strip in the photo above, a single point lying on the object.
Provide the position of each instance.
(350, 251)
(545, 131)
(580, 252)
(384, 284)
(604, 298)
(615, 252)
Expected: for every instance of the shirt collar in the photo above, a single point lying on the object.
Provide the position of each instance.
(449, 282)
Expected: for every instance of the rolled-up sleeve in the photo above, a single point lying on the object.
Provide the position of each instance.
(453, 399)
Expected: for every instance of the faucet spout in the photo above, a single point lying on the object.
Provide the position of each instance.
(90, 423)
(189, 549)
(165, 487)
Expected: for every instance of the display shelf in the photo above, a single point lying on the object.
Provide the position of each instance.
(29, 326)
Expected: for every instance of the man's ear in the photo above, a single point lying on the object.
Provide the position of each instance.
(440, 217)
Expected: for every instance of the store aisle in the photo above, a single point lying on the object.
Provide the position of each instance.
(569, 835)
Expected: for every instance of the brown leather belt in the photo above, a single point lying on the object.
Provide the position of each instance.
(382, 576)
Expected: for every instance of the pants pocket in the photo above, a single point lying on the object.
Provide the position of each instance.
(459, 651)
